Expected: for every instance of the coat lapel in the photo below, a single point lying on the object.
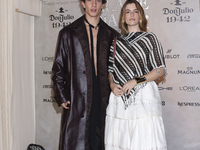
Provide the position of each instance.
(103, 59)
(81, 34)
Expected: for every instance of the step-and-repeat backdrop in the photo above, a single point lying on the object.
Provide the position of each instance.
(177, 25)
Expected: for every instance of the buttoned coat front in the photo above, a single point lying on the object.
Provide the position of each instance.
(72, 81)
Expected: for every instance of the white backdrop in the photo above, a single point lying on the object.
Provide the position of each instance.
(177, 25)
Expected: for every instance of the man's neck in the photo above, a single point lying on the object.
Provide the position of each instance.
(93, 20)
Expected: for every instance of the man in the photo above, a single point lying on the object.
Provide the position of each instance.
(80, 78)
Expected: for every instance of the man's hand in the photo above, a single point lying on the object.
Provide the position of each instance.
(116, 89)
(64, 105)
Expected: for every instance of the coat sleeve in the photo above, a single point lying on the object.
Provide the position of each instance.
(59, 70)
(111, 59)
(156, 54)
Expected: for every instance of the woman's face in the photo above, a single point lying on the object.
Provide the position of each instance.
(132, 15)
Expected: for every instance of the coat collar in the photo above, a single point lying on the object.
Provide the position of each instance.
(80, 29)
(81, 32)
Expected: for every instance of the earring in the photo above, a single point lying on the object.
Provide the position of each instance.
(123, 21)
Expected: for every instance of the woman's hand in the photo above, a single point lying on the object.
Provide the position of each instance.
(128, 86)
(116, 89)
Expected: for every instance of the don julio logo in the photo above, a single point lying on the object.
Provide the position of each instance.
(178, 3)
(194, 104)
(181, 12)
(189, 71)
(61, 19)
(169, 55)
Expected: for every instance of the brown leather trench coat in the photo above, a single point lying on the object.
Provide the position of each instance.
(72, 81)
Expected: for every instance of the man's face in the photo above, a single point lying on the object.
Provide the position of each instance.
(93, 7)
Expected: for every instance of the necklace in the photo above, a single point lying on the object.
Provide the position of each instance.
(95, 27)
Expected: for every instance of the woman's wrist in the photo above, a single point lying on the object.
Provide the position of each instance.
(111, 85)
(140, 80)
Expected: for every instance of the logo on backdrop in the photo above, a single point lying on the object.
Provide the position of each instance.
(189, 88)
(163, 103)
(46, 72)
(189, 70)
(194, 104)
(180, 13)
(170, 55)
(193, 56)
(178, 2)
(165, 88)
(109, 12)
(51, 99)
(60, 3)
(48, 59)
(61, 19)
(47, 86)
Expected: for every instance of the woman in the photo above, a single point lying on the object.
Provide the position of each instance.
(134, 114)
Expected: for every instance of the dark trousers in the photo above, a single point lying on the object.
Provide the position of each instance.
(94, 122)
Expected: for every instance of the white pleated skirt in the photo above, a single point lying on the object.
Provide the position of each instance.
(139, 126)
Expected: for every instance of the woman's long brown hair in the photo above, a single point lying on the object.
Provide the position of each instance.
(142, 21)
